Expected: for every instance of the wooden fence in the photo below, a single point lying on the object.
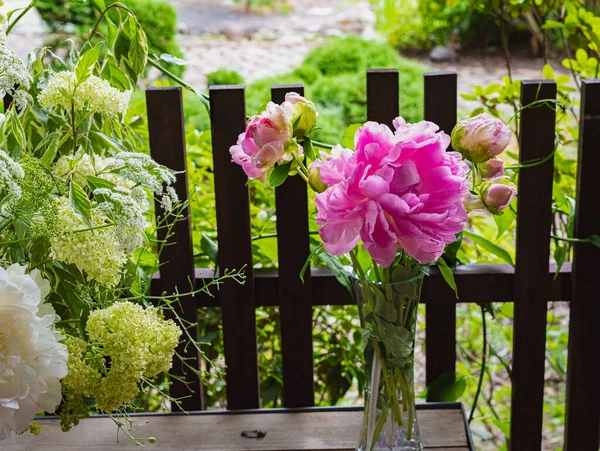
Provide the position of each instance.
(530, 285)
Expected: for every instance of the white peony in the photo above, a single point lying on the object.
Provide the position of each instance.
(32, 361)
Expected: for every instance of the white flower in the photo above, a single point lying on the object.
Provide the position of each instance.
(14, 78)
(94, 95)
(11, 174)
(32, 361)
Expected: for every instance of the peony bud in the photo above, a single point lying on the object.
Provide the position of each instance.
(472, 202)
(492, 169)
(497, 194)
(480, 138)
(304, 114)
(314, 176)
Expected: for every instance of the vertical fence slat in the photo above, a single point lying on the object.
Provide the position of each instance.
(228, 120)
(167, 144)
(7, 100)
(534, 204)
(582, 429)
(382, 95)
(295, 303)
(440, 319)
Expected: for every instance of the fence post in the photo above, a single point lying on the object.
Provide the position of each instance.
(582, 428)
(295, 300)
(382, 95)
(440, 319)
(228, 120)
(167, 146)
(532, 290)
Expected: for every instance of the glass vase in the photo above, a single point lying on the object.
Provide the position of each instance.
(388, 314)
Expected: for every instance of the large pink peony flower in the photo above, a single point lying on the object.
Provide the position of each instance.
(397, 190)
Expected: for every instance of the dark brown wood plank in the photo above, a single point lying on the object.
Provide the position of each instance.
(534, 203)
(476, 283)
(582, 429)
(167, 146)
(382, 95)
(293, 244)
(7, 100)
(440, 319)
(228, 120)
(316, 431)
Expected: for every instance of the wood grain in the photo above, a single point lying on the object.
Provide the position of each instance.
(317, 431)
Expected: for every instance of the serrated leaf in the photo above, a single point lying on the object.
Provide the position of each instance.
(489, 246)
(80, 202)
(138, 51)
(279, 174)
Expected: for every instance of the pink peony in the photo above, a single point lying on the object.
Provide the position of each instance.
(492, 169)
(397, 190)
(497, 194)
(266, 142)
(481, 137)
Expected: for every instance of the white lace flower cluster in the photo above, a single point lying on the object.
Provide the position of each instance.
(14, 77)
(142, 170)
(94, 95)
(11, 174)
(2, 22)
(94, 250)
(32, 359)
(120, 204)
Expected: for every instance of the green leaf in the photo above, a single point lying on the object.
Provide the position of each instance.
(398, 341)
(86, 63)
(348, 136)
(279, 174)
(116, 77)
(106, 140)
(309, 150)
(504, 426)
(594, 239)
(549, 24)
(548, 72)
(489, 246)
(447, 274)
(383, 308)
(504, 221)
(311, 259)
(333, 263)
(80, 202)
(209, 247)
(560, 255)
(449, 387)
(171, 59)
(504, 363)
(138, 51)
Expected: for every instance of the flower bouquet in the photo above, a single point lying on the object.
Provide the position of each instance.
(79, 332)
(387, 209)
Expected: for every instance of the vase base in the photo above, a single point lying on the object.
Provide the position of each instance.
(399, 446)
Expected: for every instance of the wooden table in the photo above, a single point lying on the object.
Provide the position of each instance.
(442, 429)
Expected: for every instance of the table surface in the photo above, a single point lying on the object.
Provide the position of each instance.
(441, 430)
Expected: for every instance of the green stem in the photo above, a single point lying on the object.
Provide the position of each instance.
(323, 145)
(203, 97)
(20, 16)
(483, 362)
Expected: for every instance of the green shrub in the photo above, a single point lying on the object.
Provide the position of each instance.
(157, 17)
(224, 77)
